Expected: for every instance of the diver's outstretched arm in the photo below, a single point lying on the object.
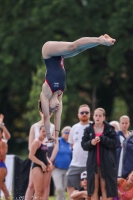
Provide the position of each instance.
(45, 110)
(57, 118)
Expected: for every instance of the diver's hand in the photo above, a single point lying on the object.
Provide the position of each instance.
(50, 138)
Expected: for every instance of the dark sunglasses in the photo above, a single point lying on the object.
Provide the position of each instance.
(84, 112)
(84, 179)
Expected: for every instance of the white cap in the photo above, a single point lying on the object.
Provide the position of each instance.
(83, 175)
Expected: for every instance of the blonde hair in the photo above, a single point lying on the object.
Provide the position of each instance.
(102, 110)
(115, 123)
(66, 128)
(125, 117)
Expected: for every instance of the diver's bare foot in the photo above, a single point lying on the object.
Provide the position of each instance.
(106, 40)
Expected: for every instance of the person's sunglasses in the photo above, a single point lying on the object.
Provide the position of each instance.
(84, 179)
(84, 112)
(66, 132)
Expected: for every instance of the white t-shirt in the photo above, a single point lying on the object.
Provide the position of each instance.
(79, 156)
(36, 131)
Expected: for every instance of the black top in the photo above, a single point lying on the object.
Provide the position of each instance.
(55, 74)
(41, 154)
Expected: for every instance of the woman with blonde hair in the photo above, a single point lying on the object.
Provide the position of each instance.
(100, 141)
(61, 163)
(116, 125)
(124, 147)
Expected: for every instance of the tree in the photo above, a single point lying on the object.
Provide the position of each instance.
(121, 56)
(94, 77)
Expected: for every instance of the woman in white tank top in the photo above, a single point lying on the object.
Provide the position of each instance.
(52, 151)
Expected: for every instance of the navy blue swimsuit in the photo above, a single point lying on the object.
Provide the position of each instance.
(41, 155)
(55, 74)
(2, 165)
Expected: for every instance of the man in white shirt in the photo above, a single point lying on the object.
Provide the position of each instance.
(79, 156)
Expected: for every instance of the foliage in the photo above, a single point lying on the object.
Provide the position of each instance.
(32, 105)
(120, 109)
(96, 77)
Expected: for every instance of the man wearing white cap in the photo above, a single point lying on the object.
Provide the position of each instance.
(81, 194)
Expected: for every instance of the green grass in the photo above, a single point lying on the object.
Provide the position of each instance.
(50, 198)
(54, 197)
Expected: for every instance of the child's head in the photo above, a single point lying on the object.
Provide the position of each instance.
(99, 115)
(124, 122)
(83, 179)
(130, 177)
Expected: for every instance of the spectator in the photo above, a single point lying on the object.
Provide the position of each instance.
(41, 164)
(6, 137)
(124, 147)
(125, 187)
(81, 194)
(52, 150)
(61, 163)
(116, 125)
(100, 141)
(3, 151)
(79, 156)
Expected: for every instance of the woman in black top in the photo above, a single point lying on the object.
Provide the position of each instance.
(100, 141)
(41, 164)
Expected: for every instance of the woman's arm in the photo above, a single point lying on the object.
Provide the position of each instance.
(45, 110)
(7, 135)
(69, 49)
(87, 142)
(55, 150)
(31, 137)
(55, 147)
(3, 150)
(57, 118)
(79, 195)
(120, 181)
